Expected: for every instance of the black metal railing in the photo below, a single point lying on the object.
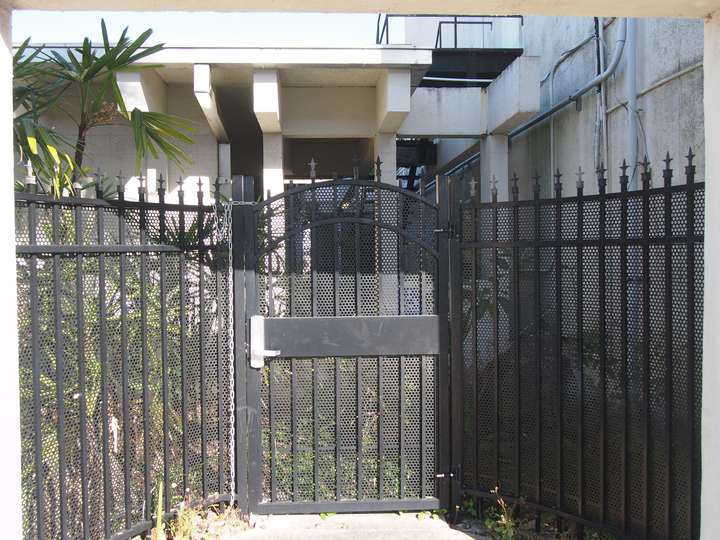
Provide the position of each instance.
(578, 339)
(382, 26)
(124, 361)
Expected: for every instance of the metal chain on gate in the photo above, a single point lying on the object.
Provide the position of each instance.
(224, 232)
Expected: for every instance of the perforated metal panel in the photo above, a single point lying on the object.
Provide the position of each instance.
(124, 359)
(347, 429)
(579, 335)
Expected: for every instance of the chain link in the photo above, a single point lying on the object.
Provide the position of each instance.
(223, 226)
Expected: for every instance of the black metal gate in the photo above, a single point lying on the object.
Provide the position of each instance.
(347, 304)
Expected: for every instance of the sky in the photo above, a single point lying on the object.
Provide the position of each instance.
(200, 29)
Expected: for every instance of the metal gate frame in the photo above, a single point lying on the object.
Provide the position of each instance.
(393, 333)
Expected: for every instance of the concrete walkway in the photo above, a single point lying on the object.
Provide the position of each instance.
(353, 527)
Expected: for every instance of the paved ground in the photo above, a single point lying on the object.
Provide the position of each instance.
(353, 527)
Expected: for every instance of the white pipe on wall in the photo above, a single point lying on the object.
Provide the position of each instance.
(631, 85)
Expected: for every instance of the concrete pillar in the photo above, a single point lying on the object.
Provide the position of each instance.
(10, 479)
(710, 491)
(384, 146)
(494, 163)
(272, 163)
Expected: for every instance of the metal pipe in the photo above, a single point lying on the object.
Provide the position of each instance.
(631, 83)
(612, 66)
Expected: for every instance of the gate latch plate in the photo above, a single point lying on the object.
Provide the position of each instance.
(258, 352)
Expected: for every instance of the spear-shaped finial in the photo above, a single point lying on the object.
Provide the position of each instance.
(378, 169)
(493, 189)
(601, 180)
(645, 176)
(536, 185)
(557, 183)
(580, 183)
(515, 190)
(690, 168)
(624, 179)
(313, 169)
(667, 171)
(473, 186)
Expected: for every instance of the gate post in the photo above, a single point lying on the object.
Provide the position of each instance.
(456, 351)
(242, 231)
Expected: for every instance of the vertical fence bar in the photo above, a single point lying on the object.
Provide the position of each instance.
(125, 357)
(692, 473)
(314, 261)
(183, 336)
(667, 184)
(558, 336)
(476, 458)
(164, 349)
(443, 406)
(602, 184)
(82, 372)
(201, 338)
(538, 342)
(359, 196)
(145, 360)
(59, 371)
(515, 288)
(103, 358)
(580, 345)
(456, 353)
(37, 368)
(624, 340)
(337, 253)
(496, 330)
(646, 179)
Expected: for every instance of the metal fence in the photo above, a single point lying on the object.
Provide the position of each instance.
(125, 361)
(579, 324)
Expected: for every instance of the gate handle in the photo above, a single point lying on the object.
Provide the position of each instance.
(258, 352)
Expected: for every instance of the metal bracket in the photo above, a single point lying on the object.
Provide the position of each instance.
(257, 342)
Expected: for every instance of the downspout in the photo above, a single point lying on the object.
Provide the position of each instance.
(612, 66)
(631, 83)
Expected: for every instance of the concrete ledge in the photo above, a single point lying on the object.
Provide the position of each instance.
(514, 96)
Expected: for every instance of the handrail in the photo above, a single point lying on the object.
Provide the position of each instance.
(383, 30)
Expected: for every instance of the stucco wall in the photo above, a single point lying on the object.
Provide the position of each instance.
(671, 115)
(110, 149)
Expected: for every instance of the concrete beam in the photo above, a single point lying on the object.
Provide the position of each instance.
(623, 8)
(205, 95)
(266, 99)
(446, 112)
(392, 99)
(144, 90)
(337, 112)
(514, 97)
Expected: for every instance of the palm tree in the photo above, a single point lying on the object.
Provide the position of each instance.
(44, 80)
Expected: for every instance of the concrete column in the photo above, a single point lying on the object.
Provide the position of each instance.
(710, 491)
(384, 146)
(272, 163)
(10, 494)
(494, 163)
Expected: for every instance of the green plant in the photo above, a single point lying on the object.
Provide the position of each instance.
(159, 531)
(184, 523)
(325, 515)
(501, 523)
(82, 83)
(468, 507)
